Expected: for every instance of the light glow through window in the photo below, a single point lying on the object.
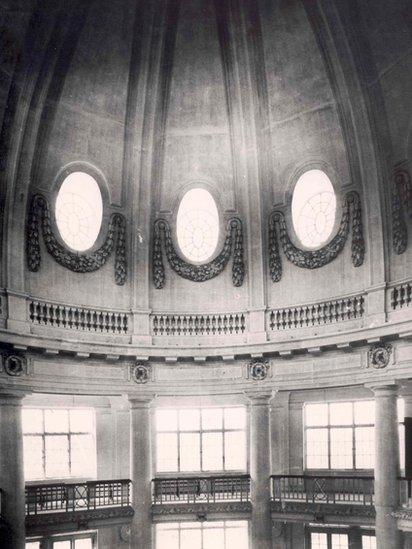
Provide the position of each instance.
(79, 211)
(313, 208)
(197, 225)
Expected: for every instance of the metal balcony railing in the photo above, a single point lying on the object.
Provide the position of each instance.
(201, 489)
(405, 491)
(323, 489)
(65, 498)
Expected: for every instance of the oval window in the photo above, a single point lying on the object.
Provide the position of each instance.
(79, 211)
(197, 225)
(313, 208)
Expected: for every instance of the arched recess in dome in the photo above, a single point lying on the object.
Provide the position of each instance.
(70, 244)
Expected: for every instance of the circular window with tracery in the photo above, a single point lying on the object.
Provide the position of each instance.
(313, 208)
(197, 225)
(79, 211)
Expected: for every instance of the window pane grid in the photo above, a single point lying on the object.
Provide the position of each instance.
(54, 451)
(208, 535)
(349, 442)
(215, 431)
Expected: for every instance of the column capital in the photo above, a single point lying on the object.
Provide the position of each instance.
(383, 389)
(261, 398)
(140, 401)
(11, 397)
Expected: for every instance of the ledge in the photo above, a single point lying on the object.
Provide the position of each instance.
(323, 513)
(77, 519)
(200, 510)
(286, 345)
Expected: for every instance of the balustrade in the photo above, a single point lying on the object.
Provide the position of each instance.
(326, 312)
(201, 489)
(49, 498)
(78, 318)
(163, 324)
(401, 295)
(323, 489)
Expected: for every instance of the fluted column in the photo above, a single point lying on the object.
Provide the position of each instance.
(141, 467)
(261, 527)
(11, 468)
(386, 466)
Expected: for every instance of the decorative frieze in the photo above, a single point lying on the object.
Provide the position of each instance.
(315, 314)
(317, 258)
(198, 273)
(40, 220)
(72, 317)
(166, 324)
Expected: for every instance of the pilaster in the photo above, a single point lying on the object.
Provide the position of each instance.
(141, 470)
(386, 465)
(12, 468)
(260, 458)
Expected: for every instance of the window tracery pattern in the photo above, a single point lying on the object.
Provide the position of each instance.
(313, 208)
(313, 259)
(79, 211)
(197, 225)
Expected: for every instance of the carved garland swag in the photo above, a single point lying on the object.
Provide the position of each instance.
(401, 205)
(198, 273)
(39, 215)
(317, 258)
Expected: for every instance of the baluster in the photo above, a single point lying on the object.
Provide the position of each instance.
(155, 324)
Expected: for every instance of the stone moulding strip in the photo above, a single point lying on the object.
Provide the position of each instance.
(200, 508)
(39, 220)
(78, 517)
(233, 244)
(317, 258)
(318, 510)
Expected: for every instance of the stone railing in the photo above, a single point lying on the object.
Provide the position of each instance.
(73, 317)
(168, 324)
(400, 295)
(315, 314)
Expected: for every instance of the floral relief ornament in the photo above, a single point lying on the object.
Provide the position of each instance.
(379, 356)
(141, 373)
(259, 369)
(14, 365)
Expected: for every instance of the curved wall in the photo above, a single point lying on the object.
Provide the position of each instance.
(238, 98)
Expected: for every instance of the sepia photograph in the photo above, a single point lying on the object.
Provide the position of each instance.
(205, 274)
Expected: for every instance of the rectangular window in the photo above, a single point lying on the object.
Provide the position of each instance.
(59, 443)
(340, 435)
(227, 534)
(368, 542)
(329, 540)
(201, 439)
(65, 541)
